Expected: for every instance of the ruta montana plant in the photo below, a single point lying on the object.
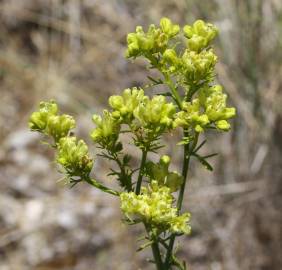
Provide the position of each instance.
(150, 193)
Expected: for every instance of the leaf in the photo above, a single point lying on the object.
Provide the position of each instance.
(204, 162)
(166, 94)
(145, 246)
(126, 159)
(200, 146)
(156, 82)
(104, 155)
(118, 147)
(211, 155)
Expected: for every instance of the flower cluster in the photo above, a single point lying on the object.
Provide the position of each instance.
(73, 156)
(152, 115)
(48, 122)
(191, 102)
(155, 114)
(125, 105)
(154, 41)
(199, 35)
(205, 111)
(197, 67)
(159, 172)
(154, 206)
(107, 129)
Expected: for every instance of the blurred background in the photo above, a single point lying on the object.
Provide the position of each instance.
(73, 51)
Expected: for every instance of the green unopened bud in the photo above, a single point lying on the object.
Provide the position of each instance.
(170, 56)
(222, 125)
(116, 102)
(229, 113)
(188, 31)
(165, 160)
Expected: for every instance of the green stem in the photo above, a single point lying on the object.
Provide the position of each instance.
(155, 249)
(155, 62)
(157, 256)
(154, 246)
(100, 186)
(140, 176)
(186, 159)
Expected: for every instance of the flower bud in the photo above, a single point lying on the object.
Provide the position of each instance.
(116, 102)
(165, 160)
(170, 56)
(188, 31)
(222, 125)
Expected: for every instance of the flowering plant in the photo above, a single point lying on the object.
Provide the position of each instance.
(151, 194)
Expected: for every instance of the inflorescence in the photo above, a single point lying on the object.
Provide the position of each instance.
(193, 103)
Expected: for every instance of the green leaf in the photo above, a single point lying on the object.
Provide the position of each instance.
(145, 246)
(204, 162)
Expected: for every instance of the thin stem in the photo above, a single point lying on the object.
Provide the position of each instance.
(154, 246)
(186, 159)
(100, 186)
(157, 256)
(140, 176)
(155, 62)
(155, 249)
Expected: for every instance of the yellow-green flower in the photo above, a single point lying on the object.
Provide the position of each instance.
(198, 66)
(107, 129)
(199, 35)
(191, 116)
(47, 121)
(38, 120)
(154, 206)
(155, 114)
(125, 104)
(58, 126)
(154, 41)
(73, 156)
